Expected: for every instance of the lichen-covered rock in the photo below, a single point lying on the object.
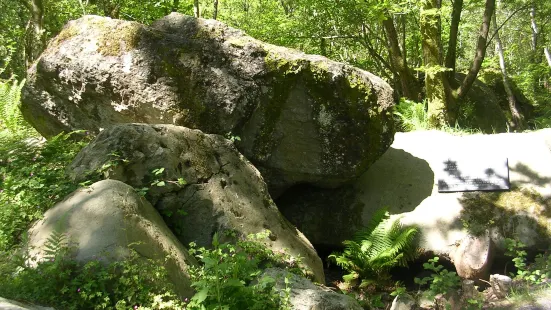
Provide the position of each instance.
(305, 295)
(300, 118)
(105, 221)
(222, 192)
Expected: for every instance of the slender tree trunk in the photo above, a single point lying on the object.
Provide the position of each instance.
(517, 117)
(480, 51)
(437, 88)
(196, 11)
(534, 27)
(452, 43)
(175, 5)
(408, 84)
(215, 11)
(35, 39)
(547, 55)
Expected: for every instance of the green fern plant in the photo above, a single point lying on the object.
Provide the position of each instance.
(380, 246)
(10, 96)
(411, 115)
(54, 245)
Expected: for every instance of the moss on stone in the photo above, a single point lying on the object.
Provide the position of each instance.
(496, 210)
(66, 33)
(239, 41)
(125, 36)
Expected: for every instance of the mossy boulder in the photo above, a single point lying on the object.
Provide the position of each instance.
(207, 186)
(299, 118)
(494, 79)
(481, 109)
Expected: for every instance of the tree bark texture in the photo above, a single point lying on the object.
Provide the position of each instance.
(408, 84)
(534, 27)
(547, 55)
(35, 39)
(196, 11)
(517, 121)
(480, 51)
(215, 10)
(452, 43)
(435, 80)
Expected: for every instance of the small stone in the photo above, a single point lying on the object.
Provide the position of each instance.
(403, 302)
(501, 285)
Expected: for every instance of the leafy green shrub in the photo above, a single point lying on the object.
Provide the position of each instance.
(32, 179)
(10, 115)
(442, 281)
(411, 115)
(380, 246)
(65, 284)
(228, 278)
(535, 273)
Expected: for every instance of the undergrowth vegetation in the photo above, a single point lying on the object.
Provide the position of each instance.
(32, 179)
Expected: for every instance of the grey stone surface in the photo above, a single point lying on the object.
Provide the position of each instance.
(6, 304)
(501, 285)
(403, 302)
(305, 295)
(404, 180)
(473, 170)
(104, 221)
(301, 118)
(224, 192)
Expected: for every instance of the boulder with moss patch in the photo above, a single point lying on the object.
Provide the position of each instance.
(204, 186)
(300, 118)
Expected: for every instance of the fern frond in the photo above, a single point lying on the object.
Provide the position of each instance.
(378, 217)
(383, 244)
(55, 243)
(10, 96)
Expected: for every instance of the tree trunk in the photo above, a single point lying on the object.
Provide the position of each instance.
(408, 84)
(452, 43)
(437, 88)
(175, 5)
(534, 27)
(196, 11)
(517, 117)
(547, 55)
(215, 12)
(35, 39)
(480, 51)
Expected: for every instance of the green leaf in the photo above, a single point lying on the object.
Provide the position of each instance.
(201, 296)
(161, 183)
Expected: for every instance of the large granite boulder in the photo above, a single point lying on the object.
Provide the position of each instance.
(107, 220)
(404, 180)
(300, 118)
(222, 192)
